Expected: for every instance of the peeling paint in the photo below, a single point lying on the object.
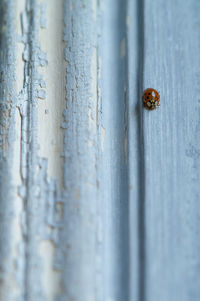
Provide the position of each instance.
(53, 100)
(51, 277)
(91, 120)
(80, 145)
(11, 203)
(17, 150)
(48, 117)
(20, 7)
(93, 106)
(103, 134)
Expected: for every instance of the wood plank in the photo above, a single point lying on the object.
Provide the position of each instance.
(114, 160)
(168, 241)
(99, 197)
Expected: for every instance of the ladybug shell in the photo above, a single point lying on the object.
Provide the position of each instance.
(151, 98)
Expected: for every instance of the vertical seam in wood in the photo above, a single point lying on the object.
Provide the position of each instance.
(141, 158)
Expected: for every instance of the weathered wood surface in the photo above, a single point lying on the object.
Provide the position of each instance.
(99, 198)
(167, 158)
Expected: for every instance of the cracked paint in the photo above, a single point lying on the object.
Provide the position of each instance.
(53, 74)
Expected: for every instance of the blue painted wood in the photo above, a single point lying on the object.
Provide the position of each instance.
(7, 137)
(125, 223)
(167, 158)
(114, 160)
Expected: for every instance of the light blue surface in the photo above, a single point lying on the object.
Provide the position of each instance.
(114, 169)
(170, 136)
(130, 225)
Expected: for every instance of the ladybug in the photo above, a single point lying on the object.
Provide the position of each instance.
(151, 98)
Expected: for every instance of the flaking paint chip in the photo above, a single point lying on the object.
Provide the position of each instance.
(41, 94)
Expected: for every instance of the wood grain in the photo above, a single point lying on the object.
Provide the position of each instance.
(169, 222)
(99, 198)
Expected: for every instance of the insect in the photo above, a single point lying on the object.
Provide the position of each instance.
(151, 99)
